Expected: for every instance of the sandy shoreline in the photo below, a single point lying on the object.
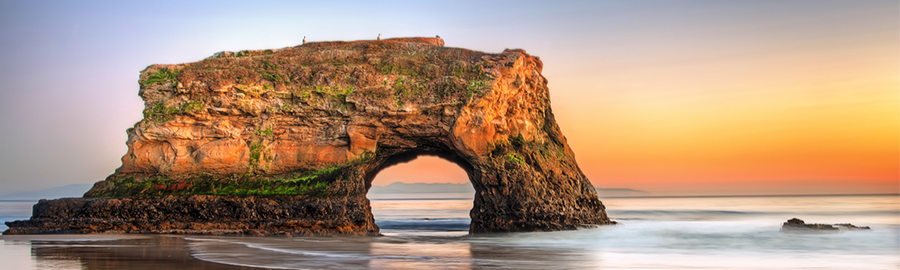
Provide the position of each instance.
(73, 237)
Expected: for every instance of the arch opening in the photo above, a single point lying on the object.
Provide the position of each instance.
(411, 155)
(421, 192)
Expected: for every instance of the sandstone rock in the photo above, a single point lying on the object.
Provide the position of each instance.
(315, 123)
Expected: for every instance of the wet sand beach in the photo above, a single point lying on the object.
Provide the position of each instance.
(101, 252)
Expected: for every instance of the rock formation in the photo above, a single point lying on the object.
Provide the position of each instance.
(798, 225)
(289, 140)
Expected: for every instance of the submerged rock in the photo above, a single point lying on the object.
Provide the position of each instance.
(798, 225)
(273, 136)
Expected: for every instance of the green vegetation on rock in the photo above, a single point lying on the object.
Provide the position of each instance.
(265, 131)
(255, 152)
(271, 72)
(160, 76)
(159, 112)
(514, 158)
(311, 183)
(314, 174)
(128, 187)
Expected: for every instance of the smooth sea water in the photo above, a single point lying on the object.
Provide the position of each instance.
(430, 232)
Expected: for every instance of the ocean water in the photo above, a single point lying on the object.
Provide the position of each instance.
(430, 232)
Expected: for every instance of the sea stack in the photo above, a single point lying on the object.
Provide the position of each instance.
(269, 142)
(798, 225)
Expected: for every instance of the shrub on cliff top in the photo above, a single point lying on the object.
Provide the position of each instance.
(160, 76)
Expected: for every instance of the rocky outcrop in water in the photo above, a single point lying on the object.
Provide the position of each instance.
(798, 225)
(310, 126)
(199, 214)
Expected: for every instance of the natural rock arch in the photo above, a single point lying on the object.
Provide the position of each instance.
(494, 210)
(288, 141)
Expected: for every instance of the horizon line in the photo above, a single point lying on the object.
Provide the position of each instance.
(753, 195)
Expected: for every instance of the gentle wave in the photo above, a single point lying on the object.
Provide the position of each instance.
(688, 212)
(279, 250)
(297, 254)
(305, 252)
(203, 257)
(436, 224)
(743, 213)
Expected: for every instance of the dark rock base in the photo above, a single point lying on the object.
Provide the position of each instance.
(549, 215)
(200, 214)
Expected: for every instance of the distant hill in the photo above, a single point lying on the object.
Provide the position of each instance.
(405, 188)
(75, 190)
(619, 192)
(399, 187)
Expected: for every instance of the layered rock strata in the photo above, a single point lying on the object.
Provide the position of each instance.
(275, 133)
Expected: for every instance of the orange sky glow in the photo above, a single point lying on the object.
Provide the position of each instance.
(670, 97)
(757, 114)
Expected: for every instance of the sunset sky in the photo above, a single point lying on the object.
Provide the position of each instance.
(670, 97)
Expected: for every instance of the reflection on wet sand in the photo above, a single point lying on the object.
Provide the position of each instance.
(449, 251)
(390, 252)
(147, 253)
(420, 256)
(493, 252)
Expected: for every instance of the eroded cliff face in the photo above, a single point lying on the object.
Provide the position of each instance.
(318, 121)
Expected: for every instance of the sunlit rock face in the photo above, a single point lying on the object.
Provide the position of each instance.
(315, 123)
